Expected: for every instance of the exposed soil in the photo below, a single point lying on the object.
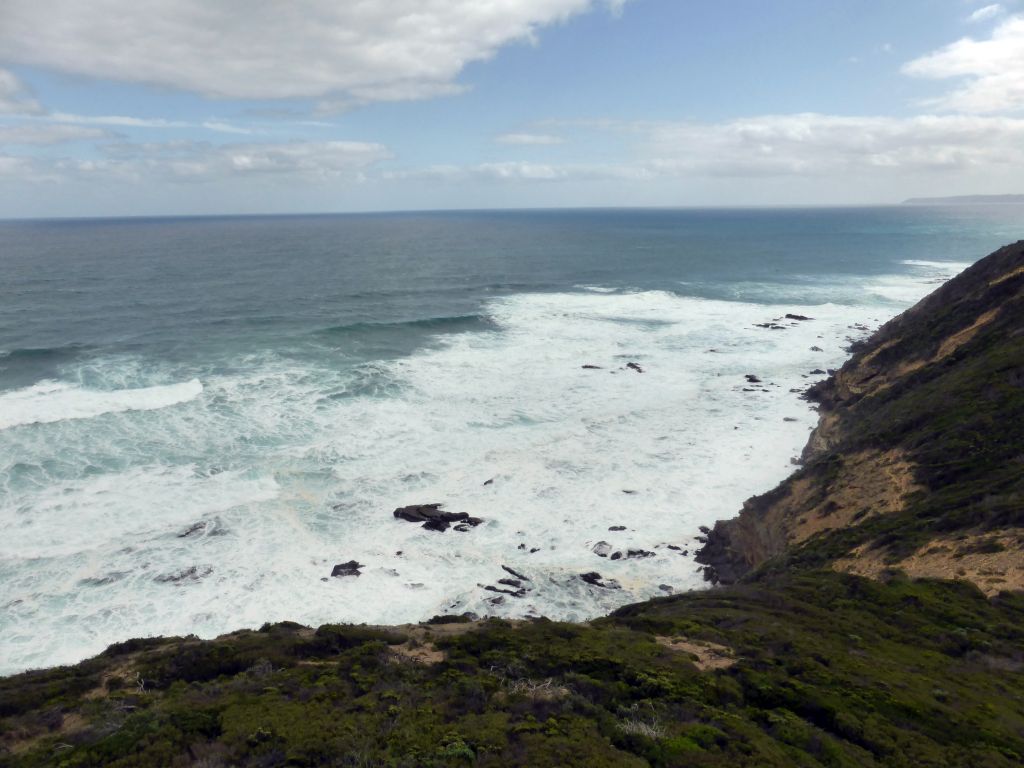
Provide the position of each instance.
(992, 561)
(709, 656)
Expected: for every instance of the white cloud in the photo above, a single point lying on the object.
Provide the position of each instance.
(986, 12)
(42, 133)
(200, 161)
(14, 166)
(777, 146)
(824, 158)
(994, 69)
(520, 171)
(814, 144)
(125, 121)
(119, 121)
(351, 52)
(296, 163)
(529, 139)
(14, 100)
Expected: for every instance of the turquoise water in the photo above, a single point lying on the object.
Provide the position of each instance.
(275, 386)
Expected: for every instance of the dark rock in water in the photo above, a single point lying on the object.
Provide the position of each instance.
(616, 556)
(595, 579)
(192, 573)
(817, 349)
(817, 372)
(751, 378)
(628, 491)
(602, 549)
(518, 575)
(592, 367)
(673, 546)
(489, 482)
(511, 583)
(788, 418)
(790, 316)
(461, 528)
(434, 519)
(534, 549)
(351, 568)
(710, 574)
(193, 529)
(521, 546)
(704, 529)
(617, 528)
(639, 553)
(666, 588)
(205, 527)
(513, 593)
(634, 367)
(496, 600)
(418, 513)
(102, 581)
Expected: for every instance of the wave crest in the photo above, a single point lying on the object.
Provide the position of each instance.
(51, 401)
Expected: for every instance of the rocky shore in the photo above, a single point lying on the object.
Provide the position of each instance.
(916, 438)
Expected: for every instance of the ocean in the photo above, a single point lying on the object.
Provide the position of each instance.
(200, 417)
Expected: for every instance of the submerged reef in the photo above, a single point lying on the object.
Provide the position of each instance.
(868, 612)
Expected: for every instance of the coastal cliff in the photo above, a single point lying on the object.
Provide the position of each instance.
(917, 462)
(870, 613)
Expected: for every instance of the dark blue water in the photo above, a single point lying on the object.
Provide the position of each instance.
(286, 381)
(71, 288)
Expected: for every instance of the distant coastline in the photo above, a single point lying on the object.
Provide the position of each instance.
(966, 200)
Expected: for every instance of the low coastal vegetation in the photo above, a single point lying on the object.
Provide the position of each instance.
(824, 651)
(815, 668)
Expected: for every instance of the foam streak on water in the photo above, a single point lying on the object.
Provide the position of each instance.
(206, 506)
(51, 401)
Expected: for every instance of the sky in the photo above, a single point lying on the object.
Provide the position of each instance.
(181, 107)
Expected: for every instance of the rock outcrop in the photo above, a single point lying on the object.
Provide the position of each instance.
(433, 518)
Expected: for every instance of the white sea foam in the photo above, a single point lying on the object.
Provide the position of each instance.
(279, 471)
(946, 266)
(50, 401)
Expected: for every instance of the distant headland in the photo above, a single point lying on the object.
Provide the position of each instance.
(966, 200)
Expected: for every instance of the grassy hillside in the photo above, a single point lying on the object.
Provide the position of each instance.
(811, 669)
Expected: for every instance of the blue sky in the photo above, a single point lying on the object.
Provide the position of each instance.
(119, 107)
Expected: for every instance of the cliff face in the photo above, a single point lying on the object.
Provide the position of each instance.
(918, 459)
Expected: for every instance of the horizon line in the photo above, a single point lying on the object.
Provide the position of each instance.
(510, 209)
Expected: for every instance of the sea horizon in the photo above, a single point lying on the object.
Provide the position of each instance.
(514, 209)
